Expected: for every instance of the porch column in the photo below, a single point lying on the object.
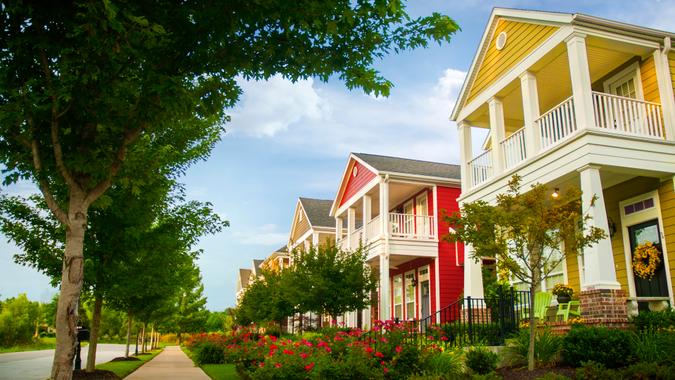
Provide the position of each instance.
(465, 153)
(351, 223)
(599, 270)
(473, 276)
(581, 81)
(315, 239)
(384, 207)
(663, 77)
(367, 215)
(528, 86)
(497, 133)
(338, 229)
(385, 288)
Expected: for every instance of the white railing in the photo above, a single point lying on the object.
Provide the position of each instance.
(412, 226)
(480, 168)
(557, 124)
(514, 148)
(627, 115)
(372, 229)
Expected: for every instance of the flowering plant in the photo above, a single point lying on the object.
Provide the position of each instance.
(646, 259)
(563, 290)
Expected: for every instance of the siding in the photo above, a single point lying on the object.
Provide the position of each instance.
(355, 183)
(650, 86)
(301, 227)
(522, 39)
(667, 199)
(451, 275)
(671, 60)
(415, 265)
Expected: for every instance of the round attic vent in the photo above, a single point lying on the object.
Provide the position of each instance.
(355, 171)
(500, 41)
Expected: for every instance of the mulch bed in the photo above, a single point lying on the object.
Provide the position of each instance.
(123, 359)
(523, 373)
(99, 374)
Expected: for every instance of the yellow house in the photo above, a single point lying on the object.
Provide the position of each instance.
(576, 100)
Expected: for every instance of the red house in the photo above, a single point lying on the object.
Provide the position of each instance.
(394, 207)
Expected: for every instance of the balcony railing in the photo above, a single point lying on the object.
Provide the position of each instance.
(373, 228)
(627, 115)
(557, 124)
(481, 168)
(412, 226)
(514, 148)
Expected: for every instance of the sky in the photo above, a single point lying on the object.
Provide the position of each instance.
(288, 140)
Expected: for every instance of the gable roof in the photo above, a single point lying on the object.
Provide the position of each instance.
(318, 212)
(256, 266)
(548, 18)
(244, 277)
(387, 164)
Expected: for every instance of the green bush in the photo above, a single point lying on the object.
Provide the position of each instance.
(591, 370)
(654, 321)
(547, 348)
(648, 371)
(443, 365)
(490, 334)
(654, 347)
(209, 353)
(481, 361)
(608, 347)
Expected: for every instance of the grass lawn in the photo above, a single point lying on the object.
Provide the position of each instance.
(215, 371)
(124, 368)
(43, 344)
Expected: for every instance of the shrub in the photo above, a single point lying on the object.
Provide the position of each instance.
(209, 353)
(654, 347)
(654, 320)
(481, 361)
(443, 365)
(608, 347)
(591, 370)
(457, 333)
(547, 348)
(647, 371)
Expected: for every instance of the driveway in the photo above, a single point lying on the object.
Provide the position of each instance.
(37, 365)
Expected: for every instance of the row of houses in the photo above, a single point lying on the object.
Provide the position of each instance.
(568, 100)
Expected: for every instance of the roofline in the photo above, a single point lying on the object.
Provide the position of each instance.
(578, 19)
(428, 178)
(334, 206)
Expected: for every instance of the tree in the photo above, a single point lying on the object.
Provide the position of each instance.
(266, 299)
(220, 321)
(80, 83)
(529, 234)
(189, 312)
(19, 318)
(327, 270)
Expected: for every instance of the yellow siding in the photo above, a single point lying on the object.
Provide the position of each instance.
(650, 86)
(522, 39)
(667, 199)
(301, 227)
(573, 273)
(671, 60)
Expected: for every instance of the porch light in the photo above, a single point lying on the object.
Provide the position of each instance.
(413, 282)
(556, 193)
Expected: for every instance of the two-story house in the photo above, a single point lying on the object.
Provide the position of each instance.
(393, 208)
(312, 224)
(576, 100)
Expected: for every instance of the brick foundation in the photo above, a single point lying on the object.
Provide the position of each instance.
(604, 307)
(478, 315)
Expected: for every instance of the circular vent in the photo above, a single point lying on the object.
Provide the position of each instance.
(355, 171)
(500, 41)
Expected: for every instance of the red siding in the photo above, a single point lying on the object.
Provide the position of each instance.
(450, 273)
(355, 183)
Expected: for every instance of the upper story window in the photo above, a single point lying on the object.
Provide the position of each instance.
(625, 83)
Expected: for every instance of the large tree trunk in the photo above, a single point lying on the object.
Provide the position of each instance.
(126, 351)
(143, 338)
(71, 285)
(93, 334)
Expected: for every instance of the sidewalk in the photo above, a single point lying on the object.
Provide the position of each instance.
(172, 363)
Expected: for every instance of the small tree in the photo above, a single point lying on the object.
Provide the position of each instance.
(330, 281)
(529, 234)
(266, 299)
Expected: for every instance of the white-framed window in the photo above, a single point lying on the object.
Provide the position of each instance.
(557, 276)
(626, 83)
(398, 297)
(409, 295)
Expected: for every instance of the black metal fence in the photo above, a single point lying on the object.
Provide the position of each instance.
(468, 321)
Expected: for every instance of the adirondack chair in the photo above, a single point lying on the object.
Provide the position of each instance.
(542, 300)
(566, 309)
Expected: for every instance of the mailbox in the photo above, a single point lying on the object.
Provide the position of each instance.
(82, 334)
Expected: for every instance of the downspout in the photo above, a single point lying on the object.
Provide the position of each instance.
(452, 231)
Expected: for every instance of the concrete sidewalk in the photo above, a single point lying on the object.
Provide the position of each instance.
(172, 363)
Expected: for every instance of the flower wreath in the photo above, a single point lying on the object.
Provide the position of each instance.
(646, 260)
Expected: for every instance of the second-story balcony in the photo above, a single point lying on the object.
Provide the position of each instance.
(612, 114)
(401, 227)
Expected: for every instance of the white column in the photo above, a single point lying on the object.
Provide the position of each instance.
(599, 270)
(351, 224)
(581, 80)
(315, 239)
(384, 207)
(338, 229)
(528, 89)
(434, 226)
(385, 289)
(665, 92)
(497, 133)
(367, 215)
(473, 276)
(465, 153)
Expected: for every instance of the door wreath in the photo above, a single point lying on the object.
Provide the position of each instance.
(646, 259)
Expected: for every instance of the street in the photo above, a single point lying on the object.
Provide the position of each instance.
(36, 365)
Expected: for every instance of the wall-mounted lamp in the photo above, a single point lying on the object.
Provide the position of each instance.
(556, 193)
(612, 227)
(413, 282)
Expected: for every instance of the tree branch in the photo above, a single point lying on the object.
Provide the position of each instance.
(60, 215)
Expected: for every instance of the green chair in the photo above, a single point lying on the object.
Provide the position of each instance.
(542, 301)
(572, 308)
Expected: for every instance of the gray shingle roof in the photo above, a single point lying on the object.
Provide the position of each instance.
(408, 166)
(256, 266)
(282, 249)
(318, 212)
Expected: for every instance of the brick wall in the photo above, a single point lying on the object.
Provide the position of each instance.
(603, 306)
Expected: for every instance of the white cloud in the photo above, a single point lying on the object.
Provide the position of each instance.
(266, 234)
(412, 122)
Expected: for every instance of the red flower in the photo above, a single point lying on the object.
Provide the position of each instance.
(328, 349)
(369, 350)
(288, 352)
(304, 355)
(379, 354)
(386, 370)
(278, 365)
(398, 349)
(309, 366)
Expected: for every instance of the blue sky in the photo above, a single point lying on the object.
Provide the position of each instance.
(288, 140)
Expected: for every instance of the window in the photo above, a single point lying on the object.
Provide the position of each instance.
(409, 295)
(625, 83)
(556, 276)
(398, 297)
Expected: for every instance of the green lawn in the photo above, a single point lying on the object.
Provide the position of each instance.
(42, 344)
(216, 371)
(124, 368)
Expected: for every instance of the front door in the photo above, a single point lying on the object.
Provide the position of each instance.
(658, 285)
(425, 292)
